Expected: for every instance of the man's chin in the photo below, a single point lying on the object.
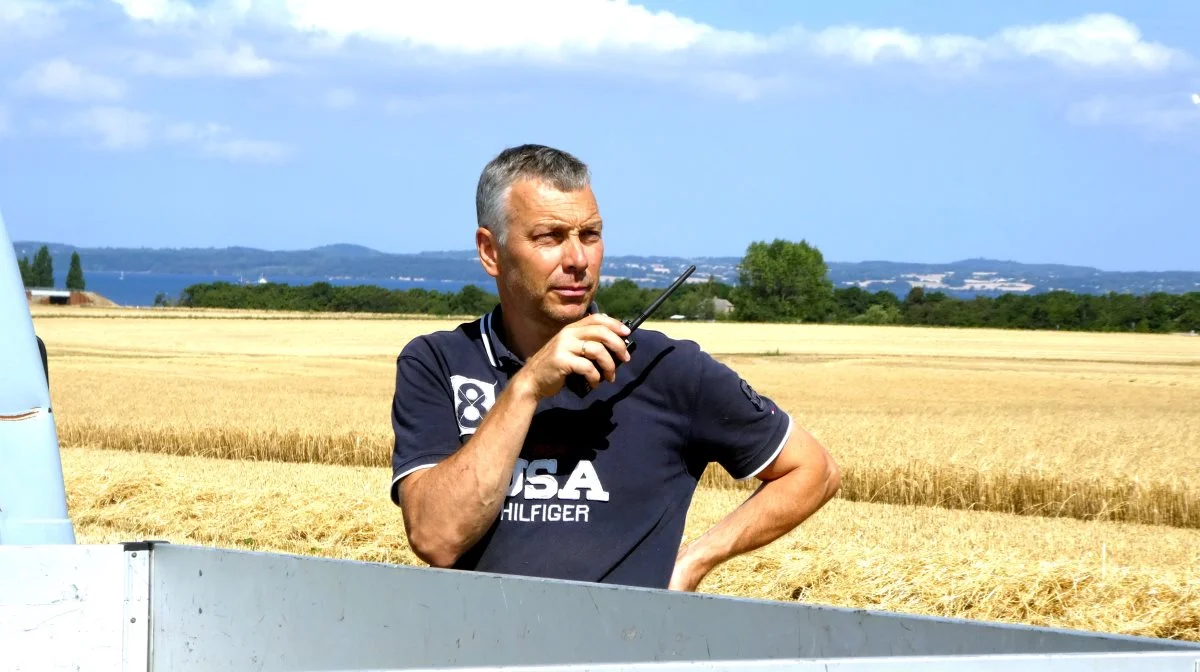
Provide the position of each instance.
(566, 311)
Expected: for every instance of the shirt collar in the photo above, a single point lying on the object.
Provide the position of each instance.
(492, 327)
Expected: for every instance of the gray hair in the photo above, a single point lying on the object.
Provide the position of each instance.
(538, 162)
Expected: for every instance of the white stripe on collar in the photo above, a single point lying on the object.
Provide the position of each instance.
(487, 339)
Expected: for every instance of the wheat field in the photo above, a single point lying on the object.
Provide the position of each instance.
(942, 435)
(1111, 577)
(1090, 426)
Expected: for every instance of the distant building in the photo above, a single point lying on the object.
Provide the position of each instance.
(721, 306)
(56, 297)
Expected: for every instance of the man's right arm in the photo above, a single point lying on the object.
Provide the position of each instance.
(447, 508)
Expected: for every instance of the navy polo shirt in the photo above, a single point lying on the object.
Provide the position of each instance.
(602, 487)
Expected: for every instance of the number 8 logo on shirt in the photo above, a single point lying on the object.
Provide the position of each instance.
(472, 400)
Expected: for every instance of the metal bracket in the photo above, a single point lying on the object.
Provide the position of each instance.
(135, 626)
(145, 545)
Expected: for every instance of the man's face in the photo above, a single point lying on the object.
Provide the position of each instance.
(549, 265)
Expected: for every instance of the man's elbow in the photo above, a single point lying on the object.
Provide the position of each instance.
(429, 535)
(825, 470)
(833, 477)
(433, 549)
(819, 473)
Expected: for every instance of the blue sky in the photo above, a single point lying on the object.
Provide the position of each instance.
(905, 130)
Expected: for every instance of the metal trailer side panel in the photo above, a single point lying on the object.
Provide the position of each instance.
(1083, 662)
(215, 608)
(33, 502)
(62, 607)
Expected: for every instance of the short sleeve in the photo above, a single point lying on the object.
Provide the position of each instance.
(732, 424)
(423, 421)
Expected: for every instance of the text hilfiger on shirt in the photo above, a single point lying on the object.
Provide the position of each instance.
(537, 480)
(521, 512)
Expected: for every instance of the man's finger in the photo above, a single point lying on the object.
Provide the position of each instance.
(604, 336)
(583, 366)
(595, 351)
(602, 319)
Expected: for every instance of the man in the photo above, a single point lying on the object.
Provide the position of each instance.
(497, 467)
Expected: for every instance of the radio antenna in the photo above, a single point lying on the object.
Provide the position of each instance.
(637, 321)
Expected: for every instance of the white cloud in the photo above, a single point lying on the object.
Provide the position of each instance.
(1093, 41)
(1159, 116)
(557, 29)
(242, 149)
(341, 98)
(738, 85)
(216, 140)
(111, 127)
(540, 28)
(158, 11)
(119, 128)
(33, 18)
(863, 45)
(241, 61)
(63, 80)
(185, 132)
(409, 106)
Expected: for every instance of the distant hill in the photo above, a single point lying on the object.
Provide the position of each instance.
(345, 251)
(968, 277)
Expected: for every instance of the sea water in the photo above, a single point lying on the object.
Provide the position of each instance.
(139, 289)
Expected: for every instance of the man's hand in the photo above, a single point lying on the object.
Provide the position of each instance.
(798, 483)
(688, 573)
(573, 350)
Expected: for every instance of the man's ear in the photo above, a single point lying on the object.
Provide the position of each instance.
(489, 251)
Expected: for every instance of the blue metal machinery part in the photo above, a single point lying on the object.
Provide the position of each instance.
(33, 500)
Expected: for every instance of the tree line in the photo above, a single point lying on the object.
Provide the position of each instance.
(325, 297)
(39, 273)
(779, 281)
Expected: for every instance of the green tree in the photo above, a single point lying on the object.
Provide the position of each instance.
(75, 274)
(878, 314)
(623, 299)
(42, 269)
(783, 281)
(851, 302)
(1189, 312)
(26, 272)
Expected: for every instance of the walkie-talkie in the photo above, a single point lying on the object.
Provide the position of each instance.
(578, 384)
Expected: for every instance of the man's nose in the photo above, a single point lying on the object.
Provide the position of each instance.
(573, 254)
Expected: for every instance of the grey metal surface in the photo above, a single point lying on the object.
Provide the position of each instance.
(33, 501)
(224, 609)
(135, 619)
(61, 607)
(1099, 662)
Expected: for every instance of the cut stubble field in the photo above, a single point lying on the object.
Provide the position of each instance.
(1100, 432)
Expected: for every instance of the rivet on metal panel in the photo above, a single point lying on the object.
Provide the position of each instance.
(134, 554)
(133, 620)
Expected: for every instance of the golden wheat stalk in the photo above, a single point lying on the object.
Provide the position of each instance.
(1018, 491)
